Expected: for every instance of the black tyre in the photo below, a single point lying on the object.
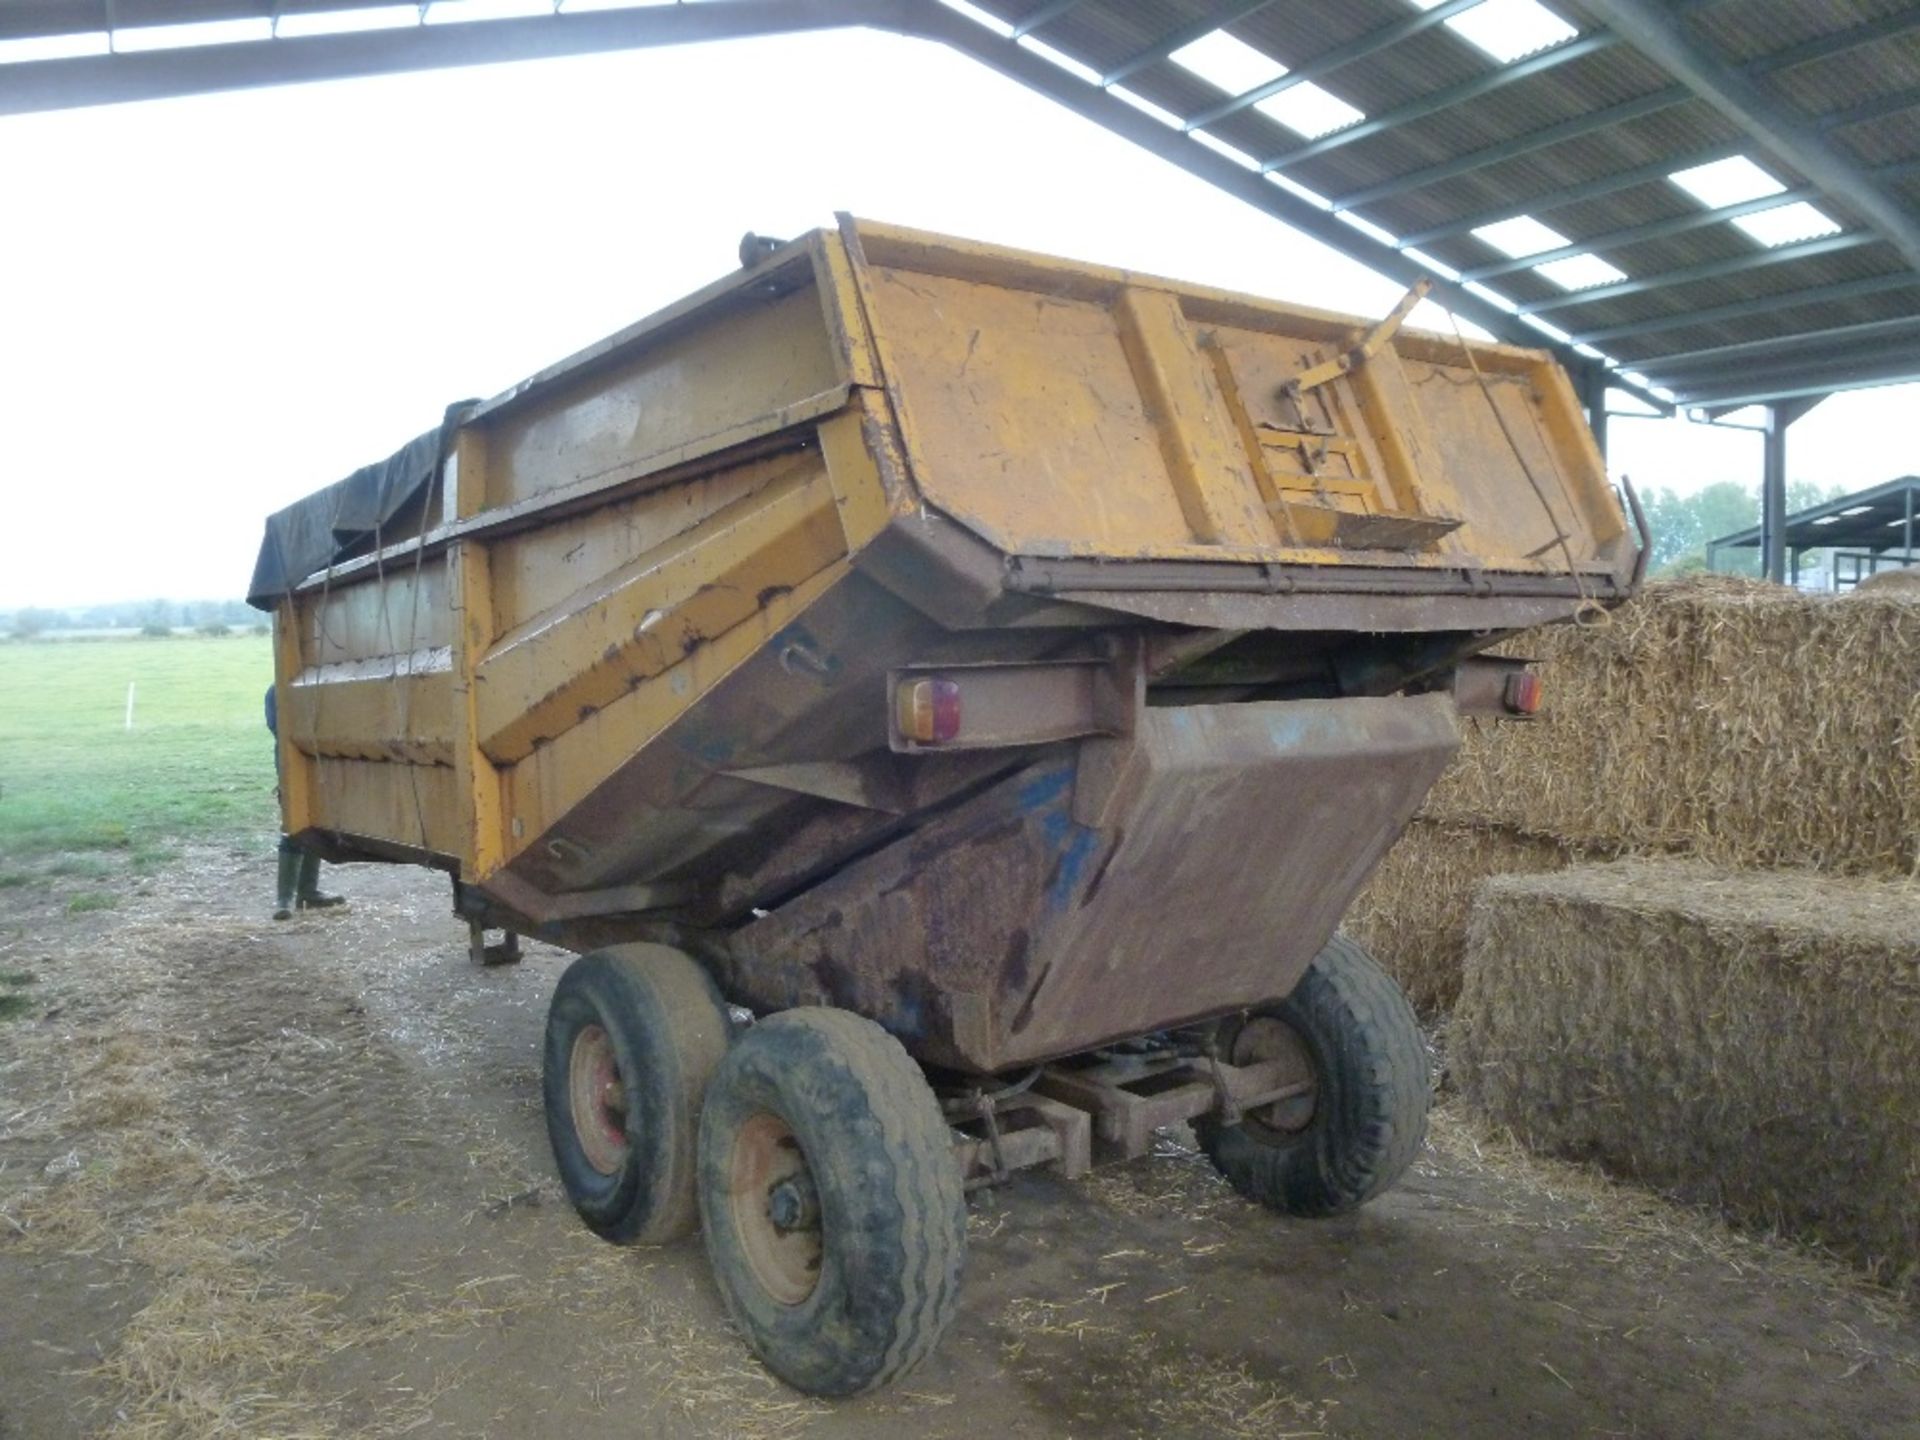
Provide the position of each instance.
(633, 1036)
(1348, 1026)
(830, 1201)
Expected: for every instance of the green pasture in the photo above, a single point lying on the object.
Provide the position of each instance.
(81, 793)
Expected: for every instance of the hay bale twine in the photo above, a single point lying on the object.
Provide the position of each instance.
(1750, 1040)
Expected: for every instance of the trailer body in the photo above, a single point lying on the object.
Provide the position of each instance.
(1020, 653)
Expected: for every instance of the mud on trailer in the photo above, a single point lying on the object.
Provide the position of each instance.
(948, 697)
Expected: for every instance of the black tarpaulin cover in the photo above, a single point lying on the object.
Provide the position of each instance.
(329, 524)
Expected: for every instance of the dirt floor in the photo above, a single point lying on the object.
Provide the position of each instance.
(293, 1180)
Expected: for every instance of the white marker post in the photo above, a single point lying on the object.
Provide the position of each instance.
(129, 704)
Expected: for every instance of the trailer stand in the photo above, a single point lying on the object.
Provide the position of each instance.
(506, 951)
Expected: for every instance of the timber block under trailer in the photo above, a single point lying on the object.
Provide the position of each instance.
(1075, 1114)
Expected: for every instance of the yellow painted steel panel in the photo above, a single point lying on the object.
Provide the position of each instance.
(367, 616)
(417, 806)
(398, 709)
(1067, 410)
(538, 569)
(556, 777)
(743, 364)
(1023, 417)
(647, 615)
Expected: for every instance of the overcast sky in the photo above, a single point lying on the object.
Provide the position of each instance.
(213, 306)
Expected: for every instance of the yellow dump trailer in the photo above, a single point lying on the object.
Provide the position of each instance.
(996, 674)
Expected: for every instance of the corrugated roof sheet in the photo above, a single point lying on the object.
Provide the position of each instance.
(1581, 137)
(1512, 145)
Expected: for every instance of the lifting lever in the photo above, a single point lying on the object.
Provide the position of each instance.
(1363, 350)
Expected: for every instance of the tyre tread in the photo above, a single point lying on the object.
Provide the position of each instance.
(878, 1088)
(1378, 1126)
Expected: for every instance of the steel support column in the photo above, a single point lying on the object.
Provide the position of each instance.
(1593, 383)
(1773, 496)
(1773, 485)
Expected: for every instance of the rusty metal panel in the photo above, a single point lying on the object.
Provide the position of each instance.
(1104, 891)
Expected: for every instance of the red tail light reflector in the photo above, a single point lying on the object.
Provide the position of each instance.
(1523, 692)
(928, 711)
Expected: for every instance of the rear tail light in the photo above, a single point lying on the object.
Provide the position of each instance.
(928, 711)
(1522, 695)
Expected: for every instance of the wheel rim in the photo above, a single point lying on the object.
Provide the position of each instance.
(1264, 1038)
(598, 1099)
(775, 1209)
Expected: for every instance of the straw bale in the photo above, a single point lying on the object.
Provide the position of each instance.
(1743, 723)
(1903, 584)
(1748, 1040)
(1412, 915)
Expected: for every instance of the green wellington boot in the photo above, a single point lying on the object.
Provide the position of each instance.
(310, 896)
(288, 883)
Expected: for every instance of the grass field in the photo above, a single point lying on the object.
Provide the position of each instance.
(81, 794)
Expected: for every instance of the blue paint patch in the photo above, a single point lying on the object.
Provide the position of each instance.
(716, 752)
(1072, 867)
(1044, 789)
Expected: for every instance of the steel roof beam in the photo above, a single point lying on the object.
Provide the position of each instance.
(1687, 363)
(936, 22)
(1620, 114)
(1328, 61)
(1570, 129)
(1823, 47)
(1879, 108)
(1042, 15)
(1891, 372)
(1575, 194)
(1576, 48)
(1638, 234)
(1891, 490)
(1830, 367)
(1181, 38)
(1712, 270)
(192, 70)
(1654, 30)
(1745, 309)
(43, 18)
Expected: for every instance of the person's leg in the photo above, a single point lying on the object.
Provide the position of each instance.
(310, 896)
(290, 863)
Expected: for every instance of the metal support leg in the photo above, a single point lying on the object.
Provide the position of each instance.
(1593, 395)
(1773, 484)
(1773, 496)
(507, 952)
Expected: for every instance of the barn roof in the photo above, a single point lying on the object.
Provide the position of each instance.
(1709, 202)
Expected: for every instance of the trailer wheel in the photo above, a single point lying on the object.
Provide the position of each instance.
(1365, 1118)
(831, 1201)
(633, 1036)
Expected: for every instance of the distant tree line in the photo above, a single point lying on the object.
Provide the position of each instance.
(133, 616)
(1683, 524)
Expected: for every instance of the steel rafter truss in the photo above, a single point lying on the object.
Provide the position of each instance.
(1811, 364)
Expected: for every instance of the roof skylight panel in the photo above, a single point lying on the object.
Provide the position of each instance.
(1508, 30)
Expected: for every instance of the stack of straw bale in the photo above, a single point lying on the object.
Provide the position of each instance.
(1748, 1039)
(1730, 720)
(1413, 913)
